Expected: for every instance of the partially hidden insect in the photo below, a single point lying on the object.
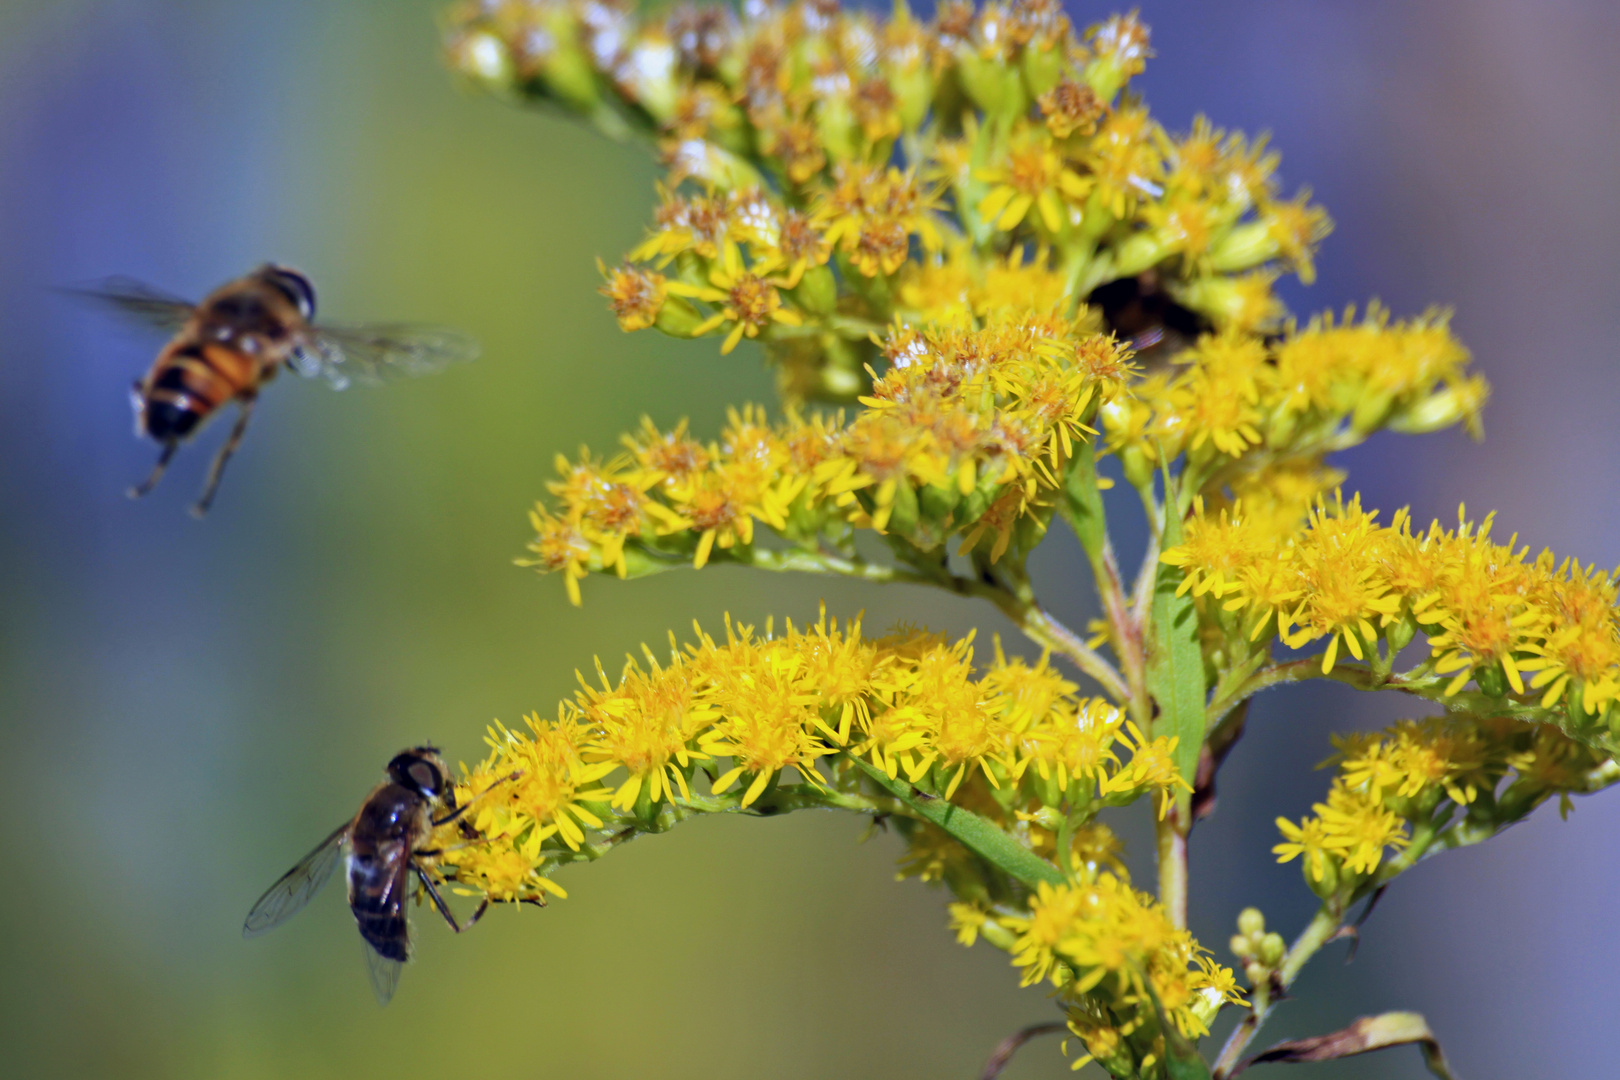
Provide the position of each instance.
(230, 345)
(385, 843)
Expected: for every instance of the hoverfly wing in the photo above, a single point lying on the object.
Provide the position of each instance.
(384, 972)
(136, 300)
(288, 895)
(378, 352)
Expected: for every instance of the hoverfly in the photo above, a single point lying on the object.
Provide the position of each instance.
(1140, 311)
(234, 342)
(385, 843)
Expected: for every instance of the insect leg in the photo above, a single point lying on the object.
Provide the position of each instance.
(444, 909)
(217, 469)
(157, 470)
(464, 807)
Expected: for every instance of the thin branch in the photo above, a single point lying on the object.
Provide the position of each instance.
(1045, 630)
(1009, 1046)
(1023, 610)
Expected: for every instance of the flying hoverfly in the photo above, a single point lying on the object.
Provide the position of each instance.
(227, 347)
(385, 844)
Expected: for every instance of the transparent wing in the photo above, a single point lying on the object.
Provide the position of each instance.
(136, 300)
(384, 973)
(379, 352)
(283, 900)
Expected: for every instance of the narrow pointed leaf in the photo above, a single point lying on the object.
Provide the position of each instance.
(975, 833)
(1175, 669)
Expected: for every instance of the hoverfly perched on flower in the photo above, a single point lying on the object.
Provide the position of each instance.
(236, 340)
(386, 842)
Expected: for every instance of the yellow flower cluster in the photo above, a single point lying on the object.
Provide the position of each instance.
(971, 235)
(1113, 955)
(969, 431)
(745, 711)
(829, 170)
(1419, 773)
(1541, 631)
(1238, 403)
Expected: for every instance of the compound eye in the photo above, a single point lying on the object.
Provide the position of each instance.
(424, 776)
(296, 287)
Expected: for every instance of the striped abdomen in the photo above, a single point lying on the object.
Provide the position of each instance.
(377, 886)
(380, 844)
(189, 382)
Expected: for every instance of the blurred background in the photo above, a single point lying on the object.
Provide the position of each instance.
(188, 706)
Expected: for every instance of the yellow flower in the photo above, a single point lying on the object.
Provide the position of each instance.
(1308, 839)
(1071, 107)
(769, 712)
(697, 224)
(636, 295)
(549, 794)
(1342, 591)
(871, 214)
(1358, 828)
(653, 724)
(559, 545)
(794, 246)
(749, 302)
(1031, 176)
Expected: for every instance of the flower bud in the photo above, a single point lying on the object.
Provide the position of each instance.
(1247, 245)
(835, 122)
(677, 317)
(993, 85)
(1371, 410)
(1328, 883)
(1138, 468)
(817, 291)
(647, 77)
(1272, 949)
(1042, 68)
(913, 87)
(1251, 922)
(1399, 634)
(1138, 253)
(563, 69)
(903, 517)
(1242, 947)
(938, 500)
(1459, 402)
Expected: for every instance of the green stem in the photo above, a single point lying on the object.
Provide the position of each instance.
(1172, 845)
(784, 799)
(1017, 604)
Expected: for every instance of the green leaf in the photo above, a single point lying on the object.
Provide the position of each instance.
(975, 833)
(1082, 502)
(1175, 667)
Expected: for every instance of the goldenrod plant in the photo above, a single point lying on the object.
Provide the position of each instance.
(980, 270)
